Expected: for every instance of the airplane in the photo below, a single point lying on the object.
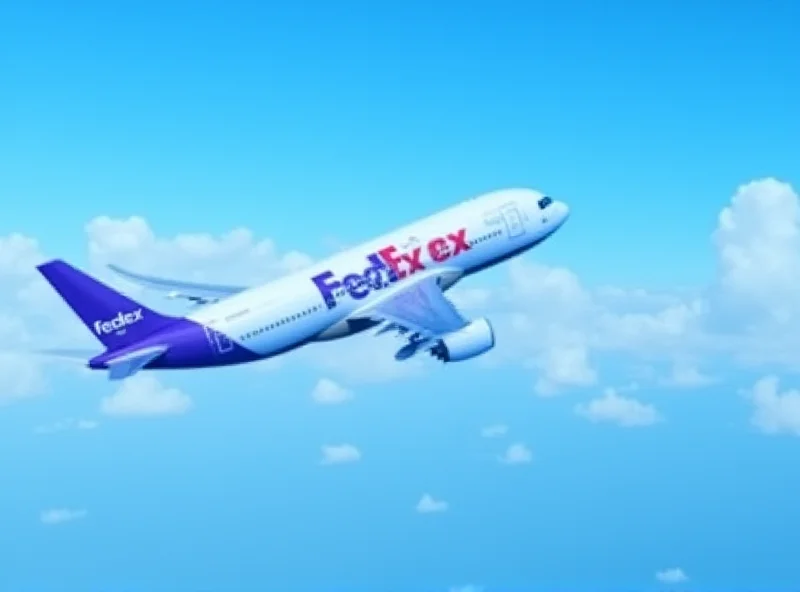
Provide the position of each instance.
(395, 283)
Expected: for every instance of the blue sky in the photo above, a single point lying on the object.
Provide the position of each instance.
(327, 124)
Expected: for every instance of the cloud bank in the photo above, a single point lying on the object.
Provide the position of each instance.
(567, 334)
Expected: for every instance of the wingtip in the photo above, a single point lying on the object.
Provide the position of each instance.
(50, 264)
(120, 270)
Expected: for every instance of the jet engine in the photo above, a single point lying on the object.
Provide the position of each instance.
(473, 340)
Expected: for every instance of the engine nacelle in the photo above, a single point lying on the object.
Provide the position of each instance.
(473, 340)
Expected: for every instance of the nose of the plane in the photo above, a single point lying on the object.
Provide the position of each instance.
(560, 212)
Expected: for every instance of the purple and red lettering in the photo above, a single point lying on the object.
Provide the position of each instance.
(459, 240)
(413, 260)
(392, 260)
(388, 266)
(327, 286)
(438, 250)
(374, 274)
(375, 277)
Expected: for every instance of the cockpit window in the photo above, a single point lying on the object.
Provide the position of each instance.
(544, 202)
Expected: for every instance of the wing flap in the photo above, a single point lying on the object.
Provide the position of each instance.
(196, 292)
(129, 364)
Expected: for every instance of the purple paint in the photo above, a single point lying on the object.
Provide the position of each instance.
(189, 345)
(123, 325)
(377, 276)
(113, 318)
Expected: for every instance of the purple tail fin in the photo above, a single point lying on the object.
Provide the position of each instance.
(114, 319)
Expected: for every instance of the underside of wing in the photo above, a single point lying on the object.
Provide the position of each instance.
(432, 323)
(420, 307)
(198, 293)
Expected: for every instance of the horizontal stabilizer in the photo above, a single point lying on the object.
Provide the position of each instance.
(129, 364)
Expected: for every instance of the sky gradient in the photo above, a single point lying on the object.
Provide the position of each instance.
(646, 445)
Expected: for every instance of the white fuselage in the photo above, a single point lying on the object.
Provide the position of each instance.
(293, 310)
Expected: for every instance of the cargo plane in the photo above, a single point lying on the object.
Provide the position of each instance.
(395, 283)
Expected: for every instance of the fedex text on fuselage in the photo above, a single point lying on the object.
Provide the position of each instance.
(389, 265)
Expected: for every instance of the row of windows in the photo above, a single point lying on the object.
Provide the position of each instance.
(339, 293)
(485, 237)
(282, 322)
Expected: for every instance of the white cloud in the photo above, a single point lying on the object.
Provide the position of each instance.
(468, 299)
(548, 307)
(340, 454)
(758, 284)
(66, 424)
(234, 257)
(564, 365)
(497, 430)
(517, 454)
(61, 516)
(624, 411)
(562, 329)
(775, 412)
(687, 375)
(143, 395)
(758, 241)
(19, 255)
(328, 392)
(673, 575)
(20, 376)
(429, 505)
(31, 316)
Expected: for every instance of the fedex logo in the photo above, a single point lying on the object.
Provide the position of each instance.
(387, 266)
(118, 323)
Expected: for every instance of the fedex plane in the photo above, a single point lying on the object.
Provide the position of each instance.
(394, 283)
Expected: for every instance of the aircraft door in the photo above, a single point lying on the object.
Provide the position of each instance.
(220, 342)
(513, 220)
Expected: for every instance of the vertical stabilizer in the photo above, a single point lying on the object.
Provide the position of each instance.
(114, 319)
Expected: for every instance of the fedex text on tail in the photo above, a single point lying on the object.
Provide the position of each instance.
(119, 323)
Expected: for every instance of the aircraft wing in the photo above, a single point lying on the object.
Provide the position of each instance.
(196, 292)
(420, 308)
